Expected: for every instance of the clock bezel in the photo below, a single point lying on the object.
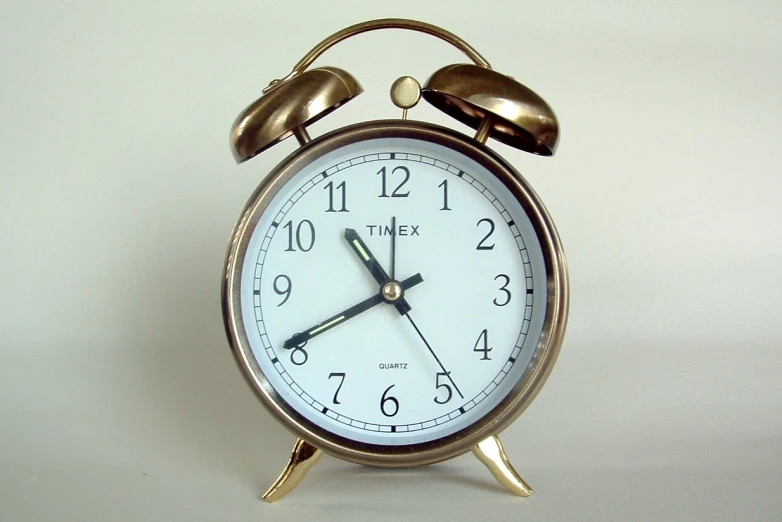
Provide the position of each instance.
(510, 406)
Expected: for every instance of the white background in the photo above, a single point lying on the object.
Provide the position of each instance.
(119, 399)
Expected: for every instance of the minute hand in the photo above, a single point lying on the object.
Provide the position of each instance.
(373, 265)
(343, 316)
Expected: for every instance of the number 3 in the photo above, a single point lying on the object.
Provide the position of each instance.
(504, 290)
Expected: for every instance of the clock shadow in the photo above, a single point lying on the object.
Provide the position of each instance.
(190, 401)
(347, 476)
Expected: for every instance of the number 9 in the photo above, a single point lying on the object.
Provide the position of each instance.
(286, 290)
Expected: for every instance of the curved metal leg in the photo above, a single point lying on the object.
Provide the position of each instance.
(303, 457)
(491, 453)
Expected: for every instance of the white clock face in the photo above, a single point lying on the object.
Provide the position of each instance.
(395, 371)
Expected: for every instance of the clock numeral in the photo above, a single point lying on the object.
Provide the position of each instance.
(286, 290)
(504, 290)
(483, 342)
(447, 387)
(444, 184)
(308, 241)
(299, 355)
(335, 400)
(481, 245)
(385, 400)
(341, 187)
(395, 193)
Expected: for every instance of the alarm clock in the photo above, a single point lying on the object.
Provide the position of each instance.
(394, 291)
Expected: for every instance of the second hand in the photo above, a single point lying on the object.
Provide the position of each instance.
(409, 318)
(446, 372)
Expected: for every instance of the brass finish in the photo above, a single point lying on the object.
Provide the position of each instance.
(303, 457)
(373, 25)
(492, 454)
(392, 291)
(517, 399)
(302, 135)
(405, 93)
(471, 93)
(519, 117)
(484, 129)
(289, 108)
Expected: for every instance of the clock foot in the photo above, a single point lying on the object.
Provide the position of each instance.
(491, 453)
(303, 457)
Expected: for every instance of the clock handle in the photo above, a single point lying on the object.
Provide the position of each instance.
(492, 454)
(373, 25)
(303, 457)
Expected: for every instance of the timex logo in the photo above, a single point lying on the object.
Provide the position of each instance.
(401, 230)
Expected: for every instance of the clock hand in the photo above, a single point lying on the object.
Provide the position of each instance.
(373, 265)
(370, 261)
(351, 235)
(343, 316)
(446, 372)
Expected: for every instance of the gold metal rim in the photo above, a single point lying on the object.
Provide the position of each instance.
(509, 408)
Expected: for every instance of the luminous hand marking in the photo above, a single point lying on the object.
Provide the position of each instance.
(343, 316)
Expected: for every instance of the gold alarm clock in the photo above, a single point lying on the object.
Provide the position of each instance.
(394, 291)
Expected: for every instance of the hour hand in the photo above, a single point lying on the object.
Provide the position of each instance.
(373, 265)
(343, 316)
(365, 254)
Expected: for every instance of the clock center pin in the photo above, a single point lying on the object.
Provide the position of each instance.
(391, 291)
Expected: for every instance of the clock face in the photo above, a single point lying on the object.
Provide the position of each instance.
(393, 291)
